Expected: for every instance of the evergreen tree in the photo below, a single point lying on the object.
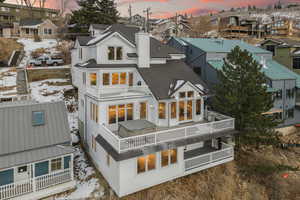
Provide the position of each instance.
(1, 1)
(94, 12)
(242, 94)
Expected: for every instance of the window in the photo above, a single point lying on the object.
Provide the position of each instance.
(119, 53)
(121, 113)
(94, 112)
(146, 163)
(130, 79)
(45, 31)
(290, 113)
(106, 79)
(83, 78)
(173, 110)
(112, 112)
(93, 79)
(115, 78)
(38, 118)
(190, 94)
(111, 53)
(296, 63)
(22, 169)
(49, 31)
(271, 48)
(181, 94)
(94, 147)
(198, 107)
(162, 110)
(168, 157)
(56, 164)
(123, 78)
(129, 111)
(115, 53)
(27, 31)
(107, 159)
(80, 53)
(279, 94)
(143, 110)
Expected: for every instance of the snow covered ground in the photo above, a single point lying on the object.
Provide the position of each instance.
(88, 185)
(8, 84)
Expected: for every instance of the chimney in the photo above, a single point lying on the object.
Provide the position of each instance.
(142, 40)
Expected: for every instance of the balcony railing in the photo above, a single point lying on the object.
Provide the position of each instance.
(34, 184)
(154, 138)
(206, 159)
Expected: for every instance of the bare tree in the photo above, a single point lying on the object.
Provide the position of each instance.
(30, 4)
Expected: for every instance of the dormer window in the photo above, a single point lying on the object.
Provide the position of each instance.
(115, 53)
(38, 118)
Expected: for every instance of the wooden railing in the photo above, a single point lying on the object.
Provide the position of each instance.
(35, 184)
(135, 142)
(205, 159)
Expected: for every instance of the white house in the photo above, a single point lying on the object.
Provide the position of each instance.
(142, 114)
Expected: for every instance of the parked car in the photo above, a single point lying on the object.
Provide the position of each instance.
(46, 60)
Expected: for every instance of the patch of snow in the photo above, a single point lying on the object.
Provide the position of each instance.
(84, 189)
(200, 87)
(297, 52)
(96, 39)
(74, 138)
(178, 83)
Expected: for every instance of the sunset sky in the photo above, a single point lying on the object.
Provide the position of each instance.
(167, 8)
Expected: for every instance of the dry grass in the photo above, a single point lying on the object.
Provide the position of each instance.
(7, 46)
(38, 52)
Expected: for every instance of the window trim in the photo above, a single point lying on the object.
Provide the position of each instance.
(34, 123)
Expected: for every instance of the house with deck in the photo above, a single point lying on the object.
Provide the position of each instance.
(36, 159)
(205, 57)
(142, 111)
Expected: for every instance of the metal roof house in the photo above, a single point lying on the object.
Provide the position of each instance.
(36, 159)
(205, 56)
(142, 112)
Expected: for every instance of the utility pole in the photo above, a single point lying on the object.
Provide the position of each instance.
(130, 13)
(147, 25)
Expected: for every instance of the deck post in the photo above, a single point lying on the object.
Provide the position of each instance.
(33, 178)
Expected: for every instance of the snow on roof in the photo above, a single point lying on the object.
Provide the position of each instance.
(96, 39)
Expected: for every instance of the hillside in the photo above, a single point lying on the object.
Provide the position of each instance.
(7, 46)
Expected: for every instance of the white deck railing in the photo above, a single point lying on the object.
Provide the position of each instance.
(35, 184)
(135, 142)
(205, 159)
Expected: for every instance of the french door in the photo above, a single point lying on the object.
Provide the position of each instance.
(185, 110)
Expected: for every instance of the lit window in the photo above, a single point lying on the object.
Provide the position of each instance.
(168, 157)
(130, 79)
(106, 79)
(130, 111)
(38, 118)
(173, 110)
(146, 163)
(121, 113)
(56, 164)
(93, 79)
(115, 78)
(181, 94)
(143, 110)
(190, 94)
(112, 110)
(198, 107)
(123, 78)
(119, 53)
(162, 110)
(111, 53)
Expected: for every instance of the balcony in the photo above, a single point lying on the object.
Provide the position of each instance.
(35, 185)
(207, 157)
(158, 136)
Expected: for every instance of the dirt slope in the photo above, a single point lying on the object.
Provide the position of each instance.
(7, 46)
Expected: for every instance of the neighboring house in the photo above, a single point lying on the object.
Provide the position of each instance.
(279, 27)
(45, 29)
(142, 113)
(137, 20)
(36, 159)
(285, 51)
(206, 56)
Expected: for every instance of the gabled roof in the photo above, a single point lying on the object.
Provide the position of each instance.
(30, 22)
(159, 77)
(221, 45)
(284, 42)
(18, 134)
(83, 40)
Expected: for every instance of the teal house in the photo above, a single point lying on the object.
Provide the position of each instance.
(36, 157)
(206, 56)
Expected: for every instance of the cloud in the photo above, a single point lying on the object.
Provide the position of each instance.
(189, 11)
(123, 2)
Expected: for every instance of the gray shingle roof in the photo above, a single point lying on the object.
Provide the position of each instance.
(159, 77)
(83, 40)
(30, 22)
(285, 42)
(18, 134)
(100, 26)
(35, 155)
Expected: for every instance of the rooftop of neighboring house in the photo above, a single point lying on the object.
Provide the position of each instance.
(283, 42)
(272, 69)
(221, 45)
(10, 5)
(100, 26)
(30, 22)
